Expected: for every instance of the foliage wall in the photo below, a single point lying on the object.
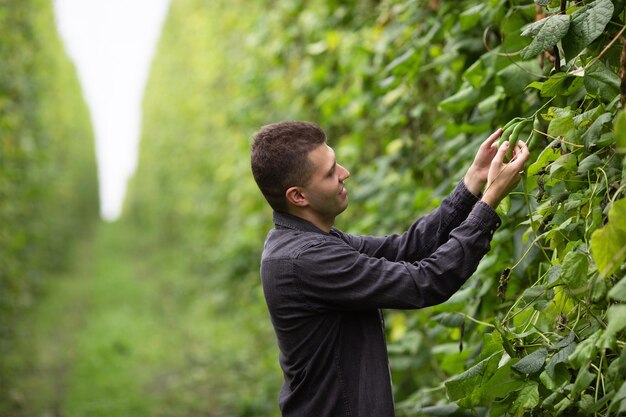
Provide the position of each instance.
(407, 90)
(48, 183)
(193, 188)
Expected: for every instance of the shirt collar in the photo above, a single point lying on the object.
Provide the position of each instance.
(294, 222)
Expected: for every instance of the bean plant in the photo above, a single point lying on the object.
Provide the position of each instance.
(407, 90)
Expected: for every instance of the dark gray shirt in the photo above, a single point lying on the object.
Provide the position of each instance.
(324, 292)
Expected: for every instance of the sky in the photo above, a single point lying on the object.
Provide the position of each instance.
(112, 43)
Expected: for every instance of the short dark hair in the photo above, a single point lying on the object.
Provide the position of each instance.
(279, 158)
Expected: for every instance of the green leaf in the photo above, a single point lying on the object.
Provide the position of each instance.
(539, 297)
(589, 163)
(533, 292)
(554, 273)
(599, 289)
(587, 23)
(600, 80)
(587, 404)
(515, 78)
(492, 343)
(616, 319)
(438, 410)
(533, 29)
(476, 74)
(549, 401)
(622, 361)
(470, 17)
(608, 244)
(586, 351)
(546, 156)
(528, 398)
(546, 33)
(463, 385)
(555, 84)
(500, 408)
(532, 363)
(562, 406)
(583, 380)
(574, 271)
(618, 404)
(556, 373)
(561, 84)
(574, 200)
(565, 341)
(449, 319)
(618, 292)
(502, 383)
(562, 122)
(620, 131)
(555, 377)
(400, 59)
(461, 100)
(491, 103)
(592, 135)
(565, 163)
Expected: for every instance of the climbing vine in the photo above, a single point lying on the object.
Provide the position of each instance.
(407, 90)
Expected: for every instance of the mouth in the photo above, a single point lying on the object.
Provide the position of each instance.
(343, 190)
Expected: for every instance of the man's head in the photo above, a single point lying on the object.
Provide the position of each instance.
(280, 160)
(297, 171)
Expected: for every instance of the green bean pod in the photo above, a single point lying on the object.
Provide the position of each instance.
(513, 121)
(507, 133)
(513, 138)
(536, 137)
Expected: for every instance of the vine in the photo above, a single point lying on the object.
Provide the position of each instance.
(406, 90)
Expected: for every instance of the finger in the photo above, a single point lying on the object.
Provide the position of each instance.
(501, 152)
(516, 152)
(520, 155)
(523, 151)
(492, 138)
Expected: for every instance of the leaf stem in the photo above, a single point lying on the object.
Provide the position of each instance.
(476, 320)
(559, 139)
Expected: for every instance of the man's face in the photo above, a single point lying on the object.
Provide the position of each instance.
(325, 192)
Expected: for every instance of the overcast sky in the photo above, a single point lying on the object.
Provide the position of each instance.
(112, 43)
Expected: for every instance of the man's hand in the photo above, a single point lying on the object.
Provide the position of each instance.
(502, 178)
(478, 173)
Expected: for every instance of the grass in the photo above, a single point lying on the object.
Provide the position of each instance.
(129, 331)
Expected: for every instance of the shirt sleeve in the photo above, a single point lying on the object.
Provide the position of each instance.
(333, 275)
(424, 236)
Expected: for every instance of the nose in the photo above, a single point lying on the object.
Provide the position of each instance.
(343, 174)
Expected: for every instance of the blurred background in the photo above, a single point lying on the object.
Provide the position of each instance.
(131, 228)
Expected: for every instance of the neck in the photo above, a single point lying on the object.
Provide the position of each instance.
(322, 224)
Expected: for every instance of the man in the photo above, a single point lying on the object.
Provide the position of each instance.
(324, 288)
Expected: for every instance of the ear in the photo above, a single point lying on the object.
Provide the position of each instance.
(294, 196)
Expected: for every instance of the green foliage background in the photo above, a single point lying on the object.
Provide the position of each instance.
(407, 90)
(48, 180)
